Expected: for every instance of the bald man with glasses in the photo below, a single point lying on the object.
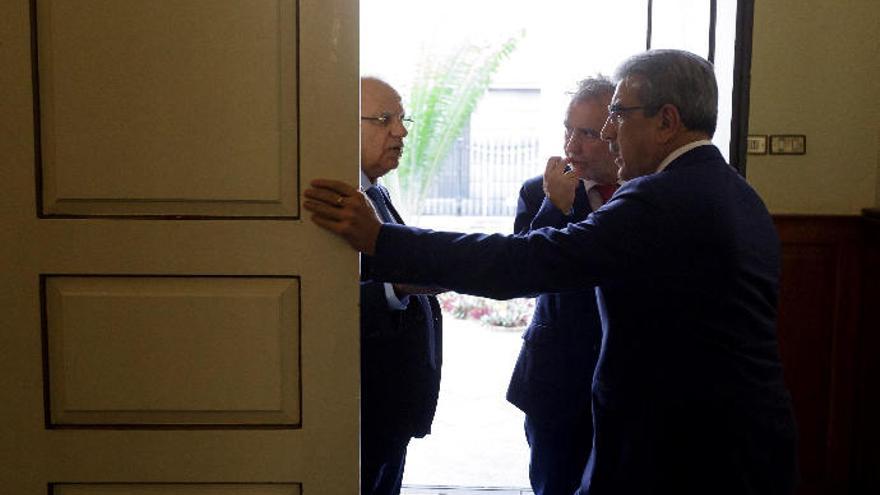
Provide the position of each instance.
(401, 326)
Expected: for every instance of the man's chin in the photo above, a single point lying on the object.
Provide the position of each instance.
(622, 172)
(625, 175)
(580, 171)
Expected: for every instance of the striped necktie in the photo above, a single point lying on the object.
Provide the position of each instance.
(380, 202)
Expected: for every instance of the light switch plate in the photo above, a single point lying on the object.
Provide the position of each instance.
(788, 144)
(756, 144)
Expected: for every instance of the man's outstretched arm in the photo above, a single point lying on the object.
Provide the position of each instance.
(345, 211)
(490, 265)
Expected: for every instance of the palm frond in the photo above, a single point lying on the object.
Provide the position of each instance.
(444, 93)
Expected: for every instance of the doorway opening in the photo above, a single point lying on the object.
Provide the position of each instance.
(511, 64)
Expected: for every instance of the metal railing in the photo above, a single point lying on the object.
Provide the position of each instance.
(483, 178)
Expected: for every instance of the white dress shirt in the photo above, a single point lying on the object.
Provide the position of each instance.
(682, 150)
(593, 195)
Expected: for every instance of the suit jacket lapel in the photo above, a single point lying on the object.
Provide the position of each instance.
(390, 205)
(581, 204)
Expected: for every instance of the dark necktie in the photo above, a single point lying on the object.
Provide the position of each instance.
(380, 202)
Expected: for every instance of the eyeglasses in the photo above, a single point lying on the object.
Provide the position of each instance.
(385, 118)
(616, 112)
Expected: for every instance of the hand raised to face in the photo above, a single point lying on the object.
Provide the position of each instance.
(345, 211)
(560, 184)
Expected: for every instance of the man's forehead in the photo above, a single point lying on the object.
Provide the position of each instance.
(589, 108)
(379, 97)
(625, 90)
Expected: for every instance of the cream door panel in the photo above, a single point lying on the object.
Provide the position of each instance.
(109, 363)
(175, 489)
(170, 324)
(142, 104)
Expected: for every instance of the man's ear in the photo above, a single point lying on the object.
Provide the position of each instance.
(669, 124)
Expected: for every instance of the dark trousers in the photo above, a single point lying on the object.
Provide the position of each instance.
(559, 454)
(382, 461)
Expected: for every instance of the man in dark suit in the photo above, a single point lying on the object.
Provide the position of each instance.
(400, 324)
(688, 394)
(552, 376)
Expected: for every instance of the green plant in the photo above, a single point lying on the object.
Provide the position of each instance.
(444, 93)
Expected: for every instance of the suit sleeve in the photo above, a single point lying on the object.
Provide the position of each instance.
(620, 239)
(534, 210)
(549, 216)
(526, 207)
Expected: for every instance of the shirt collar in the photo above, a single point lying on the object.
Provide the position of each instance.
(588, 184)
(682, 150)
(365, 182)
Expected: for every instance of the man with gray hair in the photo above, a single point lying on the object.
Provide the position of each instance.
(551, 379)
(688, 394)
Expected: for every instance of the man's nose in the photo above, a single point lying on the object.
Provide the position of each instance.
(398, 129)
(609, 130)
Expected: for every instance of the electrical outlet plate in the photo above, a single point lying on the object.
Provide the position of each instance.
(788, 144)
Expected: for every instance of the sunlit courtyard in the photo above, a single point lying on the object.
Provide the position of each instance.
(477, 439)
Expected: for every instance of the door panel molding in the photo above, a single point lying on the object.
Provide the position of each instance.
(121, 488)
(115, 356)
(170, 110)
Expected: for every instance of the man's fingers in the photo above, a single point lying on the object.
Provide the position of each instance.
(330, 192)
(324, 209)
(557, 164)
(359, 231)
(554, 162)
(321, 195)
(321, 221)
(338, 187)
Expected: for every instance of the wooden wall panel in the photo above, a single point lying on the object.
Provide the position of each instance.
(866, 477)
(818, 321)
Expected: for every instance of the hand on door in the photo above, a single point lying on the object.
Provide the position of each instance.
(345, 211)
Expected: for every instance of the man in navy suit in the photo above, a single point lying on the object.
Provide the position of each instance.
(688, 393)
(552, 376)
(400, 324)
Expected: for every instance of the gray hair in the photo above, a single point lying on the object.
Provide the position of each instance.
(593, 87)
(675, 77)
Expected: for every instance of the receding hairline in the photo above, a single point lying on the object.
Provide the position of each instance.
(373, 82)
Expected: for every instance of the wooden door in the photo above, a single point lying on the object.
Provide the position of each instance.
(171, 324)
